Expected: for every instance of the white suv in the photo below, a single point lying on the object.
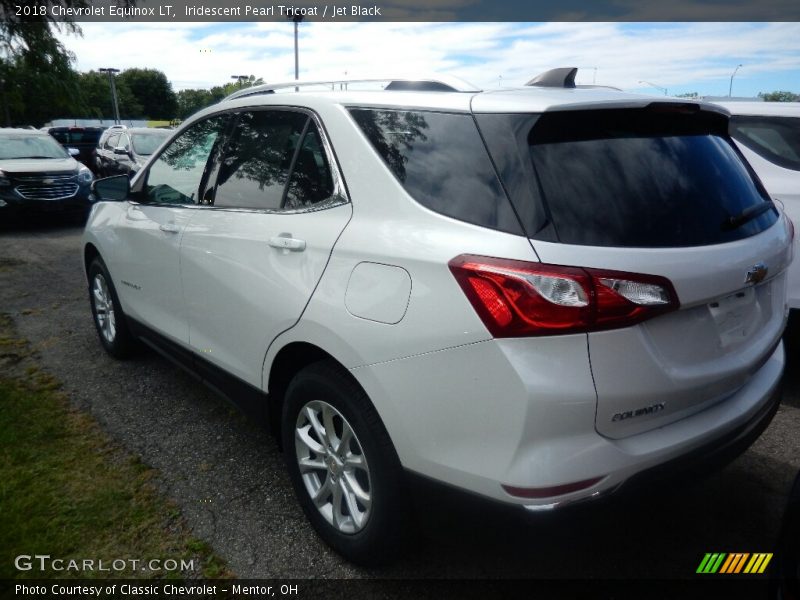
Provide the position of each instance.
(768, 134)
(535, 295)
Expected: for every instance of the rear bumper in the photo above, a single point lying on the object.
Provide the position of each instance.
(701, 461)
(503, 414)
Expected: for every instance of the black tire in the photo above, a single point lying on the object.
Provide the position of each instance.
(118, 340)
(384, 532)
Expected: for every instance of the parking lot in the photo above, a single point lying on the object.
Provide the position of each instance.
(229, 479)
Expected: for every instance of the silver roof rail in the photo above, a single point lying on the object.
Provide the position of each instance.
(437, 83)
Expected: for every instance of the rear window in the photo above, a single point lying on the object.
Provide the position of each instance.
(777, 139)
(653, 177)
(441, 161)
(77, 136)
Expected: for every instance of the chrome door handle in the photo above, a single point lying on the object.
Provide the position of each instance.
(285, 241)
(169, 228)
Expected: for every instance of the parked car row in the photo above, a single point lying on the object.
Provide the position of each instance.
(540, 296)
(39, 176)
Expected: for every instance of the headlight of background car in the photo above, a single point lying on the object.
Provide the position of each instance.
(84, 175)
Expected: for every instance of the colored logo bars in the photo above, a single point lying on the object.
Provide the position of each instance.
(735, 562)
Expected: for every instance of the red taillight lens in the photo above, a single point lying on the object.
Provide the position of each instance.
(516, 298)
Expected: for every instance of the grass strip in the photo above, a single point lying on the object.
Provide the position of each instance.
(66, 490)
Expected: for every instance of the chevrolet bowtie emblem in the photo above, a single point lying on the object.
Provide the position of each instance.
(756, 274)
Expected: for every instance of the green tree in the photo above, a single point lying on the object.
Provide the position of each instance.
(779, 96)
(688, 95)
(35, 64)
(96, 97)
(192, 100)
(31, 55)
(56, 89)
(152, 90)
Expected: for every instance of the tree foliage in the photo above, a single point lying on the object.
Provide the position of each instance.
(95, 94)
(152, 90)
(779, 96)
(32, 59)
(192, 100)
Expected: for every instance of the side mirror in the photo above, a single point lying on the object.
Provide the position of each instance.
(73, 152)
(121, 150)
(115, 189)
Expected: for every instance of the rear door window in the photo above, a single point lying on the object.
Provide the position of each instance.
(777, 139)
(653, 177)
(255, 168)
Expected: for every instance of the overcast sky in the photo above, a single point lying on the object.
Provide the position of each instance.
(682, 57)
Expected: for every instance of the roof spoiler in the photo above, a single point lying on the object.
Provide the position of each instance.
(563, 77)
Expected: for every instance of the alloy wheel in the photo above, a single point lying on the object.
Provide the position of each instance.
(333, 466)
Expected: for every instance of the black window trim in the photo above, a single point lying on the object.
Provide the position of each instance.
(340, 194)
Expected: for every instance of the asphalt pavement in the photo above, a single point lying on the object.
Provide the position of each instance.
(229, 479)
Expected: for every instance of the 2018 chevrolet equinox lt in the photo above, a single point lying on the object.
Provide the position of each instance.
(533, 294)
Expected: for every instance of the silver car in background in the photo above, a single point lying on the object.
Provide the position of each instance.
(768, 134)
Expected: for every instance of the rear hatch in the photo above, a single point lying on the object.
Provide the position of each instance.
(655, 190)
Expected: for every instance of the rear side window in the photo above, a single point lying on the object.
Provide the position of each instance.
(777, 139)
(652, 177)
(441, 161)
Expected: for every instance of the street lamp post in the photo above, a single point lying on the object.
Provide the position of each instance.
(658, 87)
(113, 87)
(730, 88)
(240, 79)
(297, 19)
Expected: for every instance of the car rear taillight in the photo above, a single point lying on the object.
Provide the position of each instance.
(516, 299)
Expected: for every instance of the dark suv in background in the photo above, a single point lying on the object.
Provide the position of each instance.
(38, 176)
(84, 139)
(123, 150)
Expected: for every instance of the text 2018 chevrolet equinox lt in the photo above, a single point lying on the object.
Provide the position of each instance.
(534, 295)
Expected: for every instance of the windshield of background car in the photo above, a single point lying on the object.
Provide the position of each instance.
(145, 144)
(776, 139)
(661, 176)
(30, 146)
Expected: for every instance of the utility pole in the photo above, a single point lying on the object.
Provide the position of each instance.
(111, 83)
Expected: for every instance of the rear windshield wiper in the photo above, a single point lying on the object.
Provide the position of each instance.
(747, 215)
(22, 157)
